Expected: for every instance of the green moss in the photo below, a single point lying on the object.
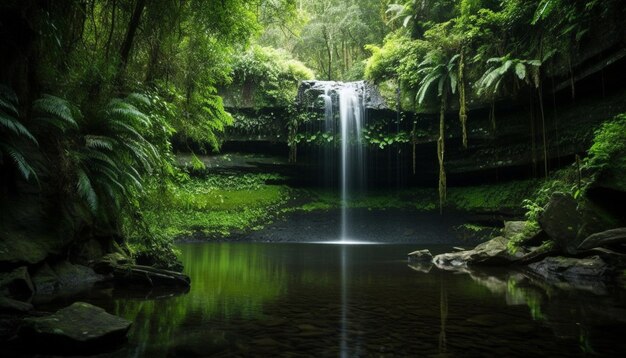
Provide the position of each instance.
(492, 197)
(474, 198)
(215, 206)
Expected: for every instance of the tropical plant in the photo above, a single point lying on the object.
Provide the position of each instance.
(515, 72)
(14, 136)
(439, 73)
(105, 155)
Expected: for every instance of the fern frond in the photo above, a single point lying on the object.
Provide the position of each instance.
(57, 108)
(85, 190)
(20, 161)
(138, 100)
(99, 142)
(13, 125)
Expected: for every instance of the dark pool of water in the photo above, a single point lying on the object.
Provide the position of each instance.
(255, 299)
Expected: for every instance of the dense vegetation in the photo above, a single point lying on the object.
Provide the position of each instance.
(96, 96)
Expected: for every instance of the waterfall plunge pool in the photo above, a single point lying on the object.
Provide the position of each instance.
(298, 299)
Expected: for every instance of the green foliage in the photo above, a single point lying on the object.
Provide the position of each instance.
(506, 70)
(265, 77)
(15, 138)
(215, 206)
(609, 145)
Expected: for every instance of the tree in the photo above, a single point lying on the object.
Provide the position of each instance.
(440, 78)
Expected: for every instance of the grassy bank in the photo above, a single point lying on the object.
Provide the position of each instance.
(219, 206)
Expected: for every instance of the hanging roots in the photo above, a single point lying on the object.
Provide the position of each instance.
(462, 101)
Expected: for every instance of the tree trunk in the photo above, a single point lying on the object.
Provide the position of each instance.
(108, 45)
(130, 34)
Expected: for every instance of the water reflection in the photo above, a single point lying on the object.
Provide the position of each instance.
(360, 300)
(571, 310)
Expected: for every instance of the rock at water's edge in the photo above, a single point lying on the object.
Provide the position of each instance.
(420, 256)
(492, 252)
(76, 328)
(569, 268)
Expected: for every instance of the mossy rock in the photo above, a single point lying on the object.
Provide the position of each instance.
(568, 221)
(75, 329)
(20, 247)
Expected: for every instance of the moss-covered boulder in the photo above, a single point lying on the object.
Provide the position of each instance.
(18, 247)
(75, 329)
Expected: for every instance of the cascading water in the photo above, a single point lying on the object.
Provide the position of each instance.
(351, 125)
(344, 121)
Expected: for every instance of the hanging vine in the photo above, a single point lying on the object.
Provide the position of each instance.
(462, 101)
(440, 153)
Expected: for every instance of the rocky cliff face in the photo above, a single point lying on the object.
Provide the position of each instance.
(309, 94)
(514, 149)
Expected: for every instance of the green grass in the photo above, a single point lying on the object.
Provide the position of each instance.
(216, 206)
(493, 197)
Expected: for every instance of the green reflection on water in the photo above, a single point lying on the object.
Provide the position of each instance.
(228, 281)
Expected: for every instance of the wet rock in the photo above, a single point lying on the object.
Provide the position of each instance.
(420, 256)
(512, 228)
(16, 284)
(604, 238)
(569, 222)
(571, 269)
(74, 329)
(72, 276)
(310, 91)
(9, 305)
(491, 253)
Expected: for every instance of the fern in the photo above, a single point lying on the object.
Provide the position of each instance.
(56, 111)
(85, 190)
(20, 161)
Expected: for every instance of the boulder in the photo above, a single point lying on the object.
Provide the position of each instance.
(18, 247)
(9, 305)
(73, 276)
(420, 256)
(512, 228)
(571, 269)
(604, 238)
(16, 284)
(75, 329)
(491, 253)
(569, 222)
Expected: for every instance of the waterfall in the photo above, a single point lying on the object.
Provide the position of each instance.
(352, 173)
(345, 164)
